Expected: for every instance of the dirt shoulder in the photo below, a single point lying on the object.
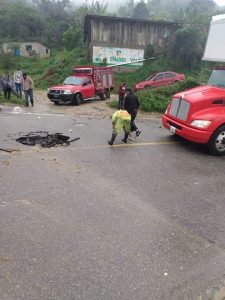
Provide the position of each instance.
(96, 108)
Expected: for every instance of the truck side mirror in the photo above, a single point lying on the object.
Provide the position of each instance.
(84, 84)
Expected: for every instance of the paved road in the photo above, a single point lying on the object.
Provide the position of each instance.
(90, 221)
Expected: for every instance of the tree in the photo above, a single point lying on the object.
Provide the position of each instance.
(131, 7)
(201, 6)
(19, 21)
(73, 36)
(149, 51)
(55, 17)
(188, 46)
(186, 50)
(141, 10)
(6, 59)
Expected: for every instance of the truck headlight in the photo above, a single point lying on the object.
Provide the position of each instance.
(66, 92)
(201, 123)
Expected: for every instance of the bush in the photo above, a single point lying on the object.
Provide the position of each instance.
(60, 66)
(158, 99)
(113, 104)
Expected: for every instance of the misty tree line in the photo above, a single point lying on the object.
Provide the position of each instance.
(59, 24)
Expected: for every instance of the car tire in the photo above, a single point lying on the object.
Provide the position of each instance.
(103, 96)
(147, 87)
(78, 99)
(216, 144)
(56, 102)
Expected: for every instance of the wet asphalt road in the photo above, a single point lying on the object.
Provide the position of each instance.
(90, 221)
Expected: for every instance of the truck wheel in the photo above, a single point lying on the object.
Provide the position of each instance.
(78, 99)
(216, 144)
(103, 96)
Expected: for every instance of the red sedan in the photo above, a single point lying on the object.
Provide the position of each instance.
(159, 79)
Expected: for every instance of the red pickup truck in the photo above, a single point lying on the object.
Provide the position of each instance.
(198, 114)
(85, 83)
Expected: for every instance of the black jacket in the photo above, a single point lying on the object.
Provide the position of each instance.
(131, 103)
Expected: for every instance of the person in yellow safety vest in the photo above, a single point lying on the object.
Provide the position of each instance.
(120, 120)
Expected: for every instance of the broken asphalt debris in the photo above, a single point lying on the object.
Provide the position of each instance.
(6, 150)
(45, 139)
(9, 150)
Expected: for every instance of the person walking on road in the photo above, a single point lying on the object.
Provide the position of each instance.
(18, 77)
(120, 120)
(131, 104)
(122, 92)
(28, 85)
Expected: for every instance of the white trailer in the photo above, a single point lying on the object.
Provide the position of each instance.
(215, 45)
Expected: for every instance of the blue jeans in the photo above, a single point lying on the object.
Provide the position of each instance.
(28, 94)
(18, 89)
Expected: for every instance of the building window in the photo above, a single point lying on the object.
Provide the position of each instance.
(46, 50)
(28, 48)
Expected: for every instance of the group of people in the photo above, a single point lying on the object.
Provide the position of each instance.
(20, 82)
(123, 118)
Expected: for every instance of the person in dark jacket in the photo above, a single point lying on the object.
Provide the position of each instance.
(122, 92)
(131, 104)
(7, 85)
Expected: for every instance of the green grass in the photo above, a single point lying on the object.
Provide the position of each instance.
(49, 71)
(13, 100)
(157, 100)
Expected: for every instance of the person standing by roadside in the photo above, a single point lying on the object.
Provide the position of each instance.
(28, 85)
(18, 76)
(122, 92)
(131, 104)
(7, 85)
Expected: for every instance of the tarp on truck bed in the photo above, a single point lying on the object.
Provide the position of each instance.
(215, 45)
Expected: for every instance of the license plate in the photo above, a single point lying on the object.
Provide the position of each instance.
(173, 129)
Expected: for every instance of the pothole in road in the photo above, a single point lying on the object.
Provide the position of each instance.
(79, 124)
(45, 139)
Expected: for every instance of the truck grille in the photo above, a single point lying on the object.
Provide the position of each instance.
(179, 108)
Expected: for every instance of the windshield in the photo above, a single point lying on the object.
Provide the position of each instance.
(217, 78)
(73, 80)
(150, 77)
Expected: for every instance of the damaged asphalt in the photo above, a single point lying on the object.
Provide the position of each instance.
(90, 221)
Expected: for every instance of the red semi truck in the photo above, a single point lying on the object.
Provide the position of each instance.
(85, 83)
(198, 114)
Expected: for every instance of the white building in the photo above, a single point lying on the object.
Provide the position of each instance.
(27, 49)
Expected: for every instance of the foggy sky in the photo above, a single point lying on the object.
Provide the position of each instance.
(114, 5)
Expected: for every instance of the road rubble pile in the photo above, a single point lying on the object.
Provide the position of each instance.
(45, 139)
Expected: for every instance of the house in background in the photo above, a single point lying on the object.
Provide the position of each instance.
(27, 49)
(124, 40)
